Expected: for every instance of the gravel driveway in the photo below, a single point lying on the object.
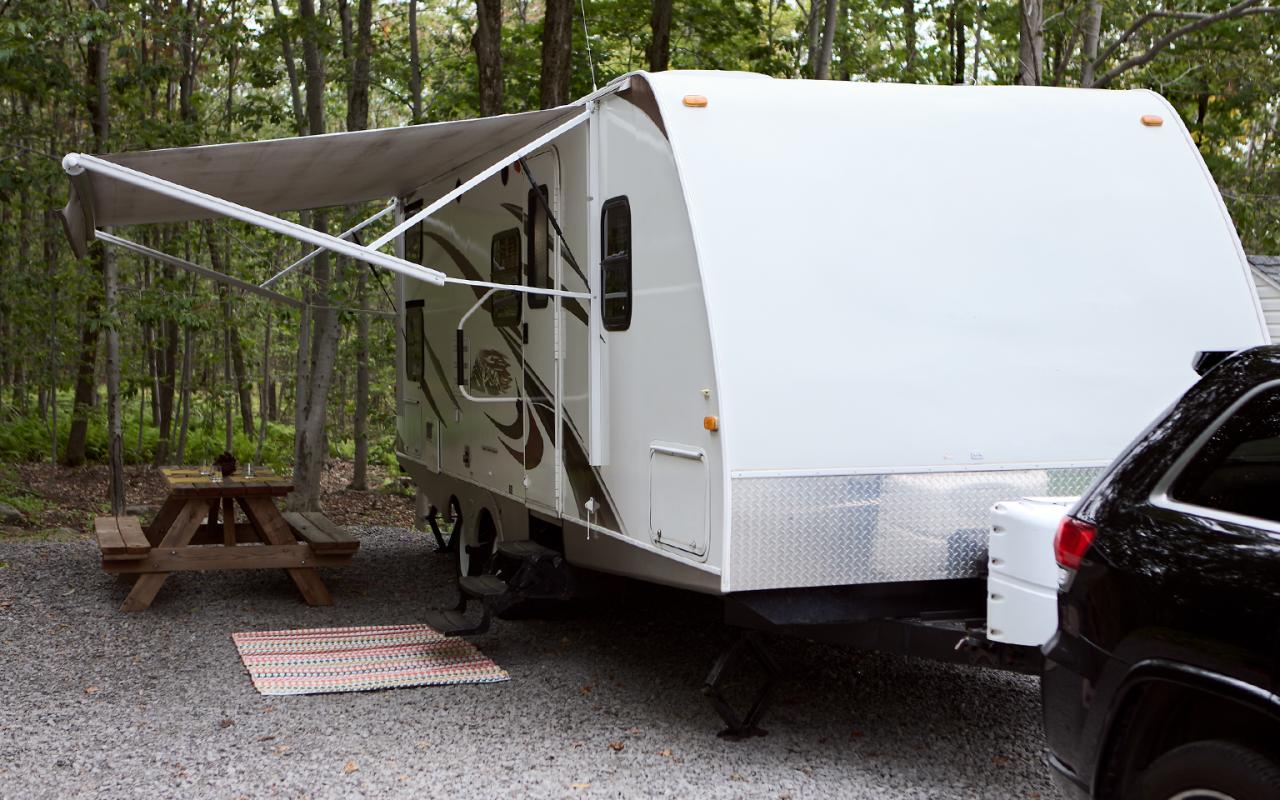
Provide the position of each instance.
(602, 703)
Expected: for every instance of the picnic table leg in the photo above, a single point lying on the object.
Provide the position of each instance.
(179, 534)
(272, 527)
(164, 519)
(228, 522)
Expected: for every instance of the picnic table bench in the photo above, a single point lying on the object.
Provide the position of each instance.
(197, 529)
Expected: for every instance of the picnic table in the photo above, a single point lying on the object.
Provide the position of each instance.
(197, 529)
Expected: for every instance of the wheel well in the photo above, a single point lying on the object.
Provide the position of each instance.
(486, 527)
(1158, 715)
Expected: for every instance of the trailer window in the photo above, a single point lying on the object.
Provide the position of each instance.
(414, 340)
(615, 269)
(504, 267)
(537, 231)
(1238, 468)
(413, 235)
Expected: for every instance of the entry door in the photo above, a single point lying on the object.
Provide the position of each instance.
(542, 378)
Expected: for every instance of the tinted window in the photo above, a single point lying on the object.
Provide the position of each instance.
(615, 269)
(414, 339)
(413, 235)
(1238, 469)
(537, 230)
(504, 267)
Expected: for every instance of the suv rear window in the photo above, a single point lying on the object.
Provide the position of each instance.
(1238, 469)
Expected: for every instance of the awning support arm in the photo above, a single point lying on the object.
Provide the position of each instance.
(344, 235)
(143, 250)
(76, 163)
(484, 174)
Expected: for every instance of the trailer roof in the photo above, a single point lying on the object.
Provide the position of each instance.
(301, 172)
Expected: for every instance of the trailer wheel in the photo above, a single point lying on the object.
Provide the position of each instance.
(473, 559)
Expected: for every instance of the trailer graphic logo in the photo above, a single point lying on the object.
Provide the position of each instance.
(491, 373)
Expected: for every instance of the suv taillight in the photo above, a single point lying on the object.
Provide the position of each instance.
(1072, 542)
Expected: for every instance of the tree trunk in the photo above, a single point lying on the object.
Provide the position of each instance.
(185, 394)
(557, 48)
(360, 478)
(115, 432)
(977, 39)
(487, 44)
(1092, 29)
(265, 389)
(415, 65)
(659, 49)
(958, 38)
(909, 39)
(828, 40)
(290, 68)
(1030, 43)
(813, 35)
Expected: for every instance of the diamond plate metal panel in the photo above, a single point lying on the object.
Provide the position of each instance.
(836, 530)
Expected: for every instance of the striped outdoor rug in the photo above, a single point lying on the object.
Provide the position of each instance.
(359, 659)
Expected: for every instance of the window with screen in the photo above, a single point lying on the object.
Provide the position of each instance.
(413, 235)
(414, 340)
(615, 269)
(1238, 468)
(504, 267)
(537, 232)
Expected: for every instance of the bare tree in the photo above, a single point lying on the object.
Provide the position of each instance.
(487, 44)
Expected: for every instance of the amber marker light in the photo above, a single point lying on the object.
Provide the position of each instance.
(1152, 121)
(711, 423)
(695, 101)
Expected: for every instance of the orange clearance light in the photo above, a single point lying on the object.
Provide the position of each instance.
(711, 423)
(1152, 121)
(695, 101)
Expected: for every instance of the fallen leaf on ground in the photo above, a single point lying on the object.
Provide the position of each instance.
(999, 759)
(349, 768)
(616, 746)
(580, 786)
(855, 734)
(584, 691)
(423, 744)
(91, 690)
(633, 730)
(226, 723)
(665, 753)
(281, 749)
(265, 738)
(736, 776)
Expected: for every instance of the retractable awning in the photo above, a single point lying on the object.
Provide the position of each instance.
(234, 180)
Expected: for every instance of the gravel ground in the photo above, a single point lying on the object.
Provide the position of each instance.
(603, 702)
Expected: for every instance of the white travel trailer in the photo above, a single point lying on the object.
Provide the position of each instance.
(762, 338)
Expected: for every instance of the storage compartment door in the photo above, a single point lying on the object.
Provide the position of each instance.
(678, 497)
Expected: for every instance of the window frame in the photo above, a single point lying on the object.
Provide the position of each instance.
(535, 253)
(623, 260)
(415, 309)
(513, 277)
(1161, 495)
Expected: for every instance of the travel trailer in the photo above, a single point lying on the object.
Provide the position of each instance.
(781, 341)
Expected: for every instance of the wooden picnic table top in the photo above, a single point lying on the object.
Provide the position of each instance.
(188, 482)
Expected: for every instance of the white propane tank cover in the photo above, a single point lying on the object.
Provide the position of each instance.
(1022, 580)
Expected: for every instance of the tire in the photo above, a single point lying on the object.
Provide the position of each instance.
(1210, 770)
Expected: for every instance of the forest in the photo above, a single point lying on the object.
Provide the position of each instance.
(123, 359)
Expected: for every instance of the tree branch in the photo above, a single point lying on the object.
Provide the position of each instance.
(1243, 8)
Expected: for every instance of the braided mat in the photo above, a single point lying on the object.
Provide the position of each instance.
(322, 660)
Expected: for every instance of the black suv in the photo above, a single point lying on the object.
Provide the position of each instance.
(1161, 680)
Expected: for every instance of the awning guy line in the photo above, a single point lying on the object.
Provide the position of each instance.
(345, 234)
(76, 163)
(143, 250)
(488, 172)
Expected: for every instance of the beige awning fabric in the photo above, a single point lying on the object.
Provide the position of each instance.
(300, 173)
